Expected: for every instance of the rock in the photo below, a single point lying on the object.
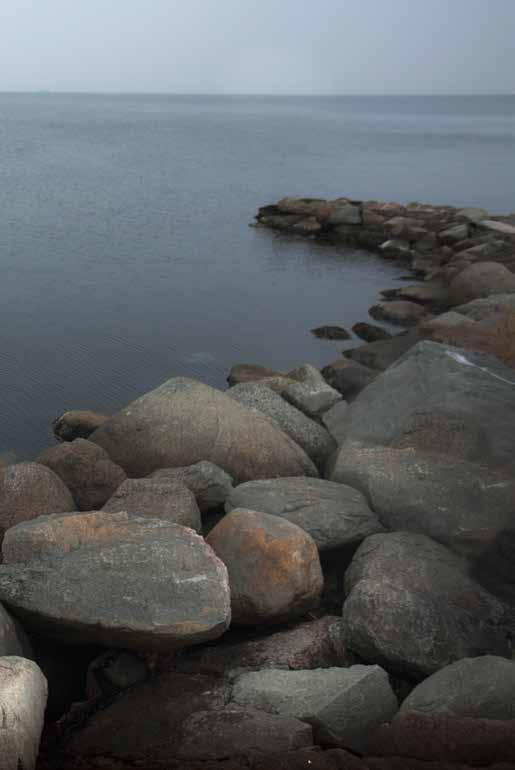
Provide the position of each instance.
(119, 732)
(106, 578)
(331, 333)
(143, 437)
(315, 644)
(400, 312)
(344, 214)
(433, 386)
(481, 688)
(430, 293)
(334, 759)
(210, 484)
(23, 695)
(307, 433)
(250, 373)
(308, 227)
(443, 321)
(308, 207)
(333, 420)
(498, 227)
(335, 515)
(463, 505)
(487, 307)
(158, 498)
(113, 672)
(473, 214)
(411, 608)
(274, 569)
(370, 332)
(344, 706)
(481, 280)
(13, 640)
(348, 377)
(395, 246)
(382, 354)
(86, 470)
(280, 221)
(28, 490)
(310, 393)
(441, 738)
(77, 424)
(454, 234)
(236, 732)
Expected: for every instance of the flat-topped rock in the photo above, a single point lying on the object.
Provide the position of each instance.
(210, 484)
(310, 392)
(143, 437)
(157, 498)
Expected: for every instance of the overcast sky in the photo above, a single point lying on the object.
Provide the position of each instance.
(259, 46)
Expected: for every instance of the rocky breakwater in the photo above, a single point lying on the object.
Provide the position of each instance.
(310, 569)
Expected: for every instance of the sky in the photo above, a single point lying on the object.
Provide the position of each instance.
(259, 46)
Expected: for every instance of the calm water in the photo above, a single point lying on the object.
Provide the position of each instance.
(126, 256)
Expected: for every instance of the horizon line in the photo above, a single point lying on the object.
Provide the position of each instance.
(65, 92)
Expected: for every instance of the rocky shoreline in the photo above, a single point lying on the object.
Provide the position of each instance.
(312, 569)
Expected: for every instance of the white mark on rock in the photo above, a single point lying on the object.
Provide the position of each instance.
(462, 360)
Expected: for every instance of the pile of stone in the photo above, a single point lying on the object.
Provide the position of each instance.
(310, 569)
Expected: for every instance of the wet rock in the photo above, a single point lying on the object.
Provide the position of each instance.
(109, 579)
(274, 569)
(237, 732)
(311, 393)
(308, 227)
(315, 644)
(344, 706)
(335, 515)
(481, 280)
(13, 639)
(86, 470)
(331, 333)
(400, 312)
(28, 490)
(395, 246)
(308, 207)
(250, 373)
(158, 498)
(370, 332)
(210, 484)
(348, 377)
(77, 424)
(23, 695)
(429, 293)
(382, 354)
(307, 433)
(454, 234)
(411, 608)
(481, 688)
(143, 437)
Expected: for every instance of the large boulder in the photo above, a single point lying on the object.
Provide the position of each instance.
(183, 422)
(308, 434)
(345, 706)
(210, 484)
(77, 424)
(463, 505)
(310, 392)
(157, 499)
(13, 640)
(314, 644)
(28, 490)
(435, 391)
(335, 515)
(382, 354)
(481, 688)
(411, 608)
(487, 307)
(86, 469)
(118, 581)
(481, 279)
(23, 695)
(274, 568)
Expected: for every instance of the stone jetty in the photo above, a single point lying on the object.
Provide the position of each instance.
(311, 569)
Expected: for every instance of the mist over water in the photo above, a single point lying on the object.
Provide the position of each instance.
(126, 256)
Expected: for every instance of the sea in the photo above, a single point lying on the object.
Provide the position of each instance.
(126, 255)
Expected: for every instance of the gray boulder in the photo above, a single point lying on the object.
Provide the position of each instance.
(210, 484)
(87, 471)
(486, 307)
(463, 505)
(23, 696)
(183, 422)
(344, 706)
(333, 421)
(382, 354)
(242, 733)
(308, 434)
(13, 640)
(434, 391)
(310, 392)
(335, 515)
(157, 499)
(481, 279)
(28, 490)
(110, 579)
(344, 214)
(411, 608)
(274, 568)
(480, 688)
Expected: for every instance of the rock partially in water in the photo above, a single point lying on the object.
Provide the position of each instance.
(402, 312)
(370, 332)
(77, 424)
(331, 333)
